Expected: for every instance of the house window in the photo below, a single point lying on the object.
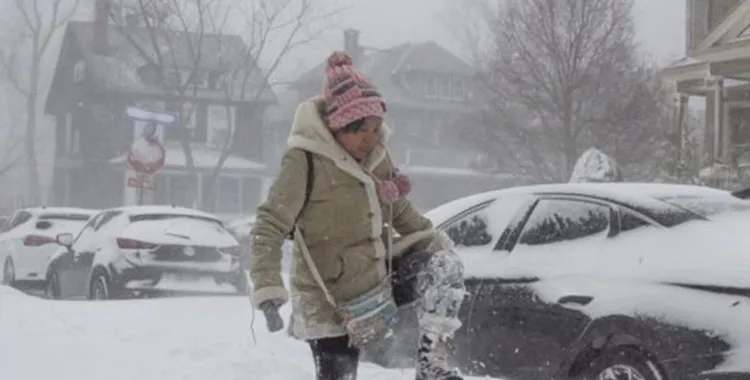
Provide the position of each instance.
(445, 88)
(68, 128)
(188, 116)
(76, 147)
(172, 78)
(430, 87)
(458, 88)
(220, 122)
(198, 78)
(79, 71)
(228, 199)
(251, 189)
(217, 80)
(171, 189)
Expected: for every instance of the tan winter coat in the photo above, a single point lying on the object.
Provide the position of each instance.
(342, 226)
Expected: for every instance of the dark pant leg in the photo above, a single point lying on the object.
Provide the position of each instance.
(334, 358)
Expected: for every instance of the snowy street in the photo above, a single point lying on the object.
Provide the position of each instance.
(165, 339)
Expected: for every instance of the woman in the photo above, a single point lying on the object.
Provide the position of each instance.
(339, 224)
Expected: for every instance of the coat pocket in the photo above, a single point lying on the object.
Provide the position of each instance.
(331, 268)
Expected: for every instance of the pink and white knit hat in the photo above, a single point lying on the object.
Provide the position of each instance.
(349, 95)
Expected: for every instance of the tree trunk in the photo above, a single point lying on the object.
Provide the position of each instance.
(30, 137)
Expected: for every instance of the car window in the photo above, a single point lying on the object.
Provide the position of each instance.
(150, 217)
(85, 236)
(556, 220)
(20, 218)
(629, 222)
(106, 218)
(708, 206)
(471, 230)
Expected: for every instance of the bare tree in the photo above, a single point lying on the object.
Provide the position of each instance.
(562, 76)
(22, 59)
(235, 35)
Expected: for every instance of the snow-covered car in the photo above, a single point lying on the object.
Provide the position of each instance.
(600, 281)
(27, 241)
(143, 251)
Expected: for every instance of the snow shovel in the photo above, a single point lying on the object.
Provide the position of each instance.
(273, 319)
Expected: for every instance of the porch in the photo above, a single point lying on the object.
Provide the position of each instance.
(717, 70)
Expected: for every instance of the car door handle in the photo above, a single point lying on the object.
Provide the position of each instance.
(575, 299)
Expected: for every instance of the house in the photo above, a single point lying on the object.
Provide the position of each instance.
(716, 69)
(106, 66)
(429, 92)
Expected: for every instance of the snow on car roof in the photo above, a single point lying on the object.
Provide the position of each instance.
(170, 210)
(632, 192)
(61, 210)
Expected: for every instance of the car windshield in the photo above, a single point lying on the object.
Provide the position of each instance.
(58, 216)
(151, 217)
(708, 206)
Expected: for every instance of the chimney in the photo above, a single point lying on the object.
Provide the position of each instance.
(101, 26)
(351, 45)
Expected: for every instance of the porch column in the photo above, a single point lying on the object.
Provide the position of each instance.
(717, 86)
(681, 101)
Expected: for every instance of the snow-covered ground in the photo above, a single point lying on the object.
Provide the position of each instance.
(197, 338)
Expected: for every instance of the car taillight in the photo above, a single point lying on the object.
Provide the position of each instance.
(37, 240)
(134, 244)
(234, 251)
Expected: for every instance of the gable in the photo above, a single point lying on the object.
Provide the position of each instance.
(732, 25)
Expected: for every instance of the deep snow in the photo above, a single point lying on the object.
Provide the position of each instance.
(196, 338)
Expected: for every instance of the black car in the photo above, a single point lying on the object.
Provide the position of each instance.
(145, 251)
(598, 281)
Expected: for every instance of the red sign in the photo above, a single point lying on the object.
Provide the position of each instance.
(147, 154)
(141, 182)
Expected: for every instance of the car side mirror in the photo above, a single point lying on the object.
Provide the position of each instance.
(64, 239)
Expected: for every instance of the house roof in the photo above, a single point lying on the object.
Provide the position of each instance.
(384, 66)
(131, 47)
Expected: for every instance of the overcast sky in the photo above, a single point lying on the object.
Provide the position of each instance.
(384, 23)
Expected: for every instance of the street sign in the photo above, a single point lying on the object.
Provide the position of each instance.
(147, 154)
(141, 182)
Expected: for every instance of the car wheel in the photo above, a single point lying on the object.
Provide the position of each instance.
(622, 364)
(100, 289)
(9, 273)
(52, 290)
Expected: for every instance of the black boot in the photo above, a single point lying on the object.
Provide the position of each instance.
(432, 360)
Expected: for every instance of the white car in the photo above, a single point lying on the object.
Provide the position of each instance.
(601, 281)
(28, 241)
(146, 251)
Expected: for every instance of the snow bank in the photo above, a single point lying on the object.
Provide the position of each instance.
(160, 339)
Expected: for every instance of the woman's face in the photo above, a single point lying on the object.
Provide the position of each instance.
(362, 142)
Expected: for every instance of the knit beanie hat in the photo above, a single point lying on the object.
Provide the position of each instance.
(349, 95)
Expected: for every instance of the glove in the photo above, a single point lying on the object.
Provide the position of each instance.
(441, 242)
(270, 309)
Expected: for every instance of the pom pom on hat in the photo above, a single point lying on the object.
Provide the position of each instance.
(403, 183)
(338, 58)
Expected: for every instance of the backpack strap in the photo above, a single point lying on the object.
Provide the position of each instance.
(308, 191)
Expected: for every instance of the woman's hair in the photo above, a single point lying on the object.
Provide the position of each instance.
(354, 126)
